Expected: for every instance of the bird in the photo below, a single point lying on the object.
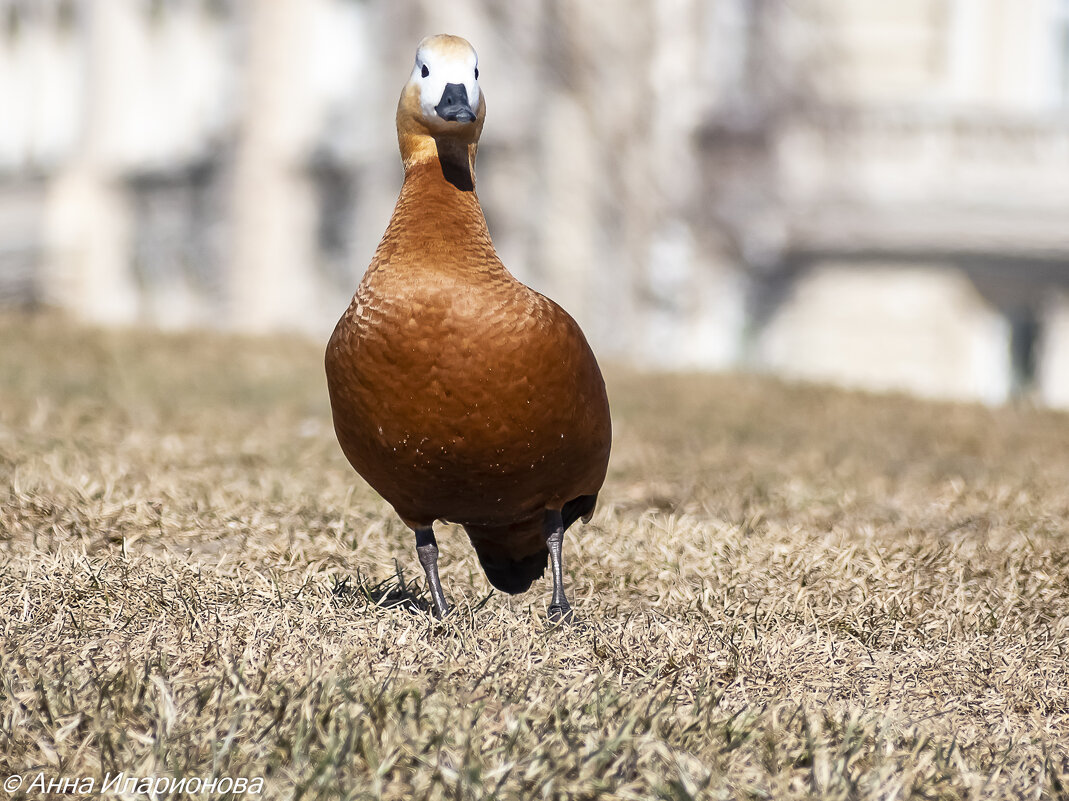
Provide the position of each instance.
(457, 392)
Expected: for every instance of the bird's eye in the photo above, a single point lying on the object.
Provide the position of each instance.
(425, 72)
(476, 73)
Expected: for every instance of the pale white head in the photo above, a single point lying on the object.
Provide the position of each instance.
(446, 75)
(441, 111)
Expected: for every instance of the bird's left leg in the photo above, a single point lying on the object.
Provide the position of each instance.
(427, 550)
(553, 530)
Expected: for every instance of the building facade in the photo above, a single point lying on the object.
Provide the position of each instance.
(870, 193)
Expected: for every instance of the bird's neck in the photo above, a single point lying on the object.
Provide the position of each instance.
(455, 159)
(438, 211)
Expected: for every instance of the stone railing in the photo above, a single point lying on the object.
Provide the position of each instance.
(921, 180)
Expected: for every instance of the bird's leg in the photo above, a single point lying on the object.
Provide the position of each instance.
(427, 549)
(553, 530)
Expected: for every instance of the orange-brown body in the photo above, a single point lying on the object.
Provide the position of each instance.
(457, 392)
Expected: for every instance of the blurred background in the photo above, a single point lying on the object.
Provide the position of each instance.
(866, 192)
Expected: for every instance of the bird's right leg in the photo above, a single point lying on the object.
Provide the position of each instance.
(553, 530)
(427, 550)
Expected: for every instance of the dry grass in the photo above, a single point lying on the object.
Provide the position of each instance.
(787, 592)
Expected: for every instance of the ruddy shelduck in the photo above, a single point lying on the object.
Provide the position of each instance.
(457, 392)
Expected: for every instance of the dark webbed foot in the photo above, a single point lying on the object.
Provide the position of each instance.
(560, 611)
(427, 550)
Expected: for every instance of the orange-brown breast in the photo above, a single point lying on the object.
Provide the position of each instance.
(458, 393)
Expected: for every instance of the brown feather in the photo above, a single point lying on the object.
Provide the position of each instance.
(457, 392)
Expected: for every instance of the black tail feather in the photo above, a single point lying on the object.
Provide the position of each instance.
(514, 575)
(583, 507)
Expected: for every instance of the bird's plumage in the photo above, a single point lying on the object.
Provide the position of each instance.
(457, 392)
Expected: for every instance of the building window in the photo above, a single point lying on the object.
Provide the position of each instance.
(335, 191)
(1024, 334)
(177, 235)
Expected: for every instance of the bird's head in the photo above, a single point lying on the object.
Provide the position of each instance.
(442, 100)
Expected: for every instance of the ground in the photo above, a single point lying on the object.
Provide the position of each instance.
(786, 592)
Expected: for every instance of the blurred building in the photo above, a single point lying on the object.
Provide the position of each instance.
(861, 191)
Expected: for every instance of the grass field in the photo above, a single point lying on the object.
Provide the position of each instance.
(787, 592)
